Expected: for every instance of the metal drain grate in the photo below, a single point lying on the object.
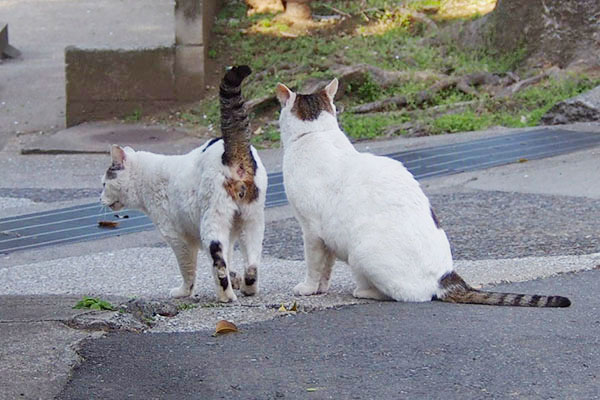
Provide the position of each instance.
(80, 223)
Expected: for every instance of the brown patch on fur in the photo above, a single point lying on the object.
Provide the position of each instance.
(241, 190)
(308, 107)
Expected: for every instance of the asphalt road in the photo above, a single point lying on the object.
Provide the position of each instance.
(382, 350)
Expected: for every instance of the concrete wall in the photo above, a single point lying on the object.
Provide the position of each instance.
(103, 84)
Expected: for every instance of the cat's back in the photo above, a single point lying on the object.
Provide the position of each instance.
(370, 193)
(382, 186)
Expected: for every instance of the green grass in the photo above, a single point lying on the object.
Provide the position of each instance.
(461, 122)
(269, 137)
(186, 306)
(94, 304)
(362, 127)
(381, 34)
(135, 116)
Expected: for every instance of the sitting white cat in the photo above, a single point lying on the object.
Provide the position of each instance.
(206, 199)
(368, 211)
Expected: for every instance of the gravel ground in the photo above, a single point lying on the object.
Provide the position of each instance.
(149, 273)
(7, 202)
(42, 195)
(483, 225)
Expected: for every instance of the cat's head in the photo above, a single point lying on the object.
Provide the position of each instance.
(301, 113)
(117, 180)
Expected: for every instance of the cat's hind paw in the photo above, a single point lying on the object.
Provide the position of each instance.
(182, 291)
(306, 289)
(249, 285)
(235, 280)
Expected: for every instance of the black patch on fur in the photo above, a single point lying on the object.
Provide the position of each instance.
(216, 252)
(517, 300)
(437, 222)
(502, 298)
(558, 301)
(249, 281)
(111, 172)
(229, 94)
(236, 75)
(224, 281)
(535, 299)
(215, 249)
(212, 141)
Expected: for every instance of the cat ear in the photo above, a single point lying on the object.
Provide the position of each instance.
(283, 93)
(118, 155)
(331, 89)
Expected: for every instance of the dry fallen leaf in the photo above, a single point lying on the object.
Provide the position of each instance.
(224, 326)
(108, 224)
(292, 309)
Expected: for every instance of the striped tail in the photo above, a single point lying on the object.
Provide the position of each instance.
(456, 290)
(235, 127)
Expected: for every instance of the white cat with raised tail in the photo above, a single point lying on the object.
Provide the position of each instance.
(368, 211)
(206, 199)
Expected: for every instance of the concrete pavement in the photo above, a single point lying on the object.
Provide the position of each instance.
(490, 215)
(32, 89)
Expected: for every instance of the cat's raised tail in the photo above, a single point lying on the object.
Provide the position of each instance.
(456, 290)
(235, 127)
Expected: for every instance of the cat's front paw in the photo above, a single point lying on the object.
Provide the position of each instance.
(306, 289)
(182, 291)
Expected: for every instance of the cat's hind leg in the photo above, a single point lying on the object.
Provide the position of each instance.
(251, 242)
(364, 287)
(234, 278)
(319, 263)
(220, 270)
(215, 231)
(187, 256)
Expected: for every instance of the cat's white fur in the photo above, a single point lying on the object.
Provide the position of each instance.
(185, 199)
(366, 210)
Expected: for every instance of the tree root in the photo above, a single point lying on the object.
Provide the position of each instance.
(465, 84)
(520, 85)
(381, 105)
